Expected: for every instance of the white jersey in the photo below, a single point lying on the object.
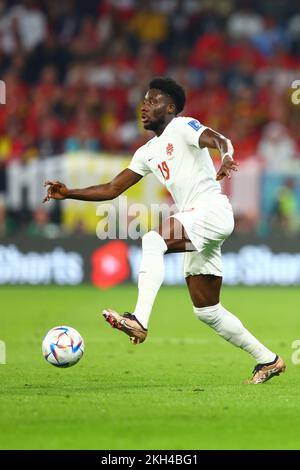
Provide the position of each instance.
(179, 163)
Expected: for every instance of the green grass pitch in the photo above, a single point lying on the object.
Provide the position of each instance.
(181, 389)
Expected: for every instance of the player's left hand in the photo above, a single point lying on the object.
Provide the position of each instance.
(227, 166)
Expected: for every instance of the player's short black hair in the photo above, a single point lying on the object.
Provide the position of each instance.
(169, 87)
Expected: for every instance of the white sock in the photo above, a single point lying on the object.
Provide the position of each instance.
(231, 328)
(151, 275)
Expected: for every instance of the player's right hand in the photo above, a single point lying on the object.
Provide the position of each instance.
(55, 190)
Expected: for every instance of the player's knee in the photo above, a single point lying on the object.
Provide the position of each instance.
(209, 314)
(153, 241)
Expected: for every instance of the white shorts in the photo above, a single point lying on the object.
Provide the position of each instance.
(207, 226)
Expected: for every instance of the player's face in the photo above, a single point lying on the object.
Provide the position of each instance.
(156, 107)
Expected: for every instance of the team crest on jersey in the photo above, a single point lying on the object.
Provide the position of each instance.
(195, 124)
(170, 149)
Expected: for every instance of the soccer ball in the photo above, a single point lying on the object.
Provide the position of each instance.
(63, 346)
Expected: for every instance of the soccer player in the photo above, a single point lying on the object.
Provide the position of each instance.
(178, 156)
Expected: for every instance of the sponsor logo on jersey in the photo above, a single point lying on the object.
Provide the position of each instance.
(195, 124)
(170, 149)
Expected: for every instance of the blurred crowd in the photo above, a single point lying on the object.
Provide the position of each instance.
(76, 71)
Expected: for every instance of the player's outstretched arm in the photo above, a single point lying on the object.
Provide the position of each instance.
(101, 192)
(212, 139)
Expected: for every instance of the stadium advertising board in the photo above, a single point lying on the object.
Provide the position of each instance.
(38, 261)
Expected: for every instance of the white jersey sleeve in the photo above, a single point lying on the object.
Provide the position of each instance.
(138, 163)
(190, 130)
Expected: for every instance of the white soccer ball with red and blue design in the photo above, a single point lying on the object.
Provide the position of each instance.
(63, 346)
